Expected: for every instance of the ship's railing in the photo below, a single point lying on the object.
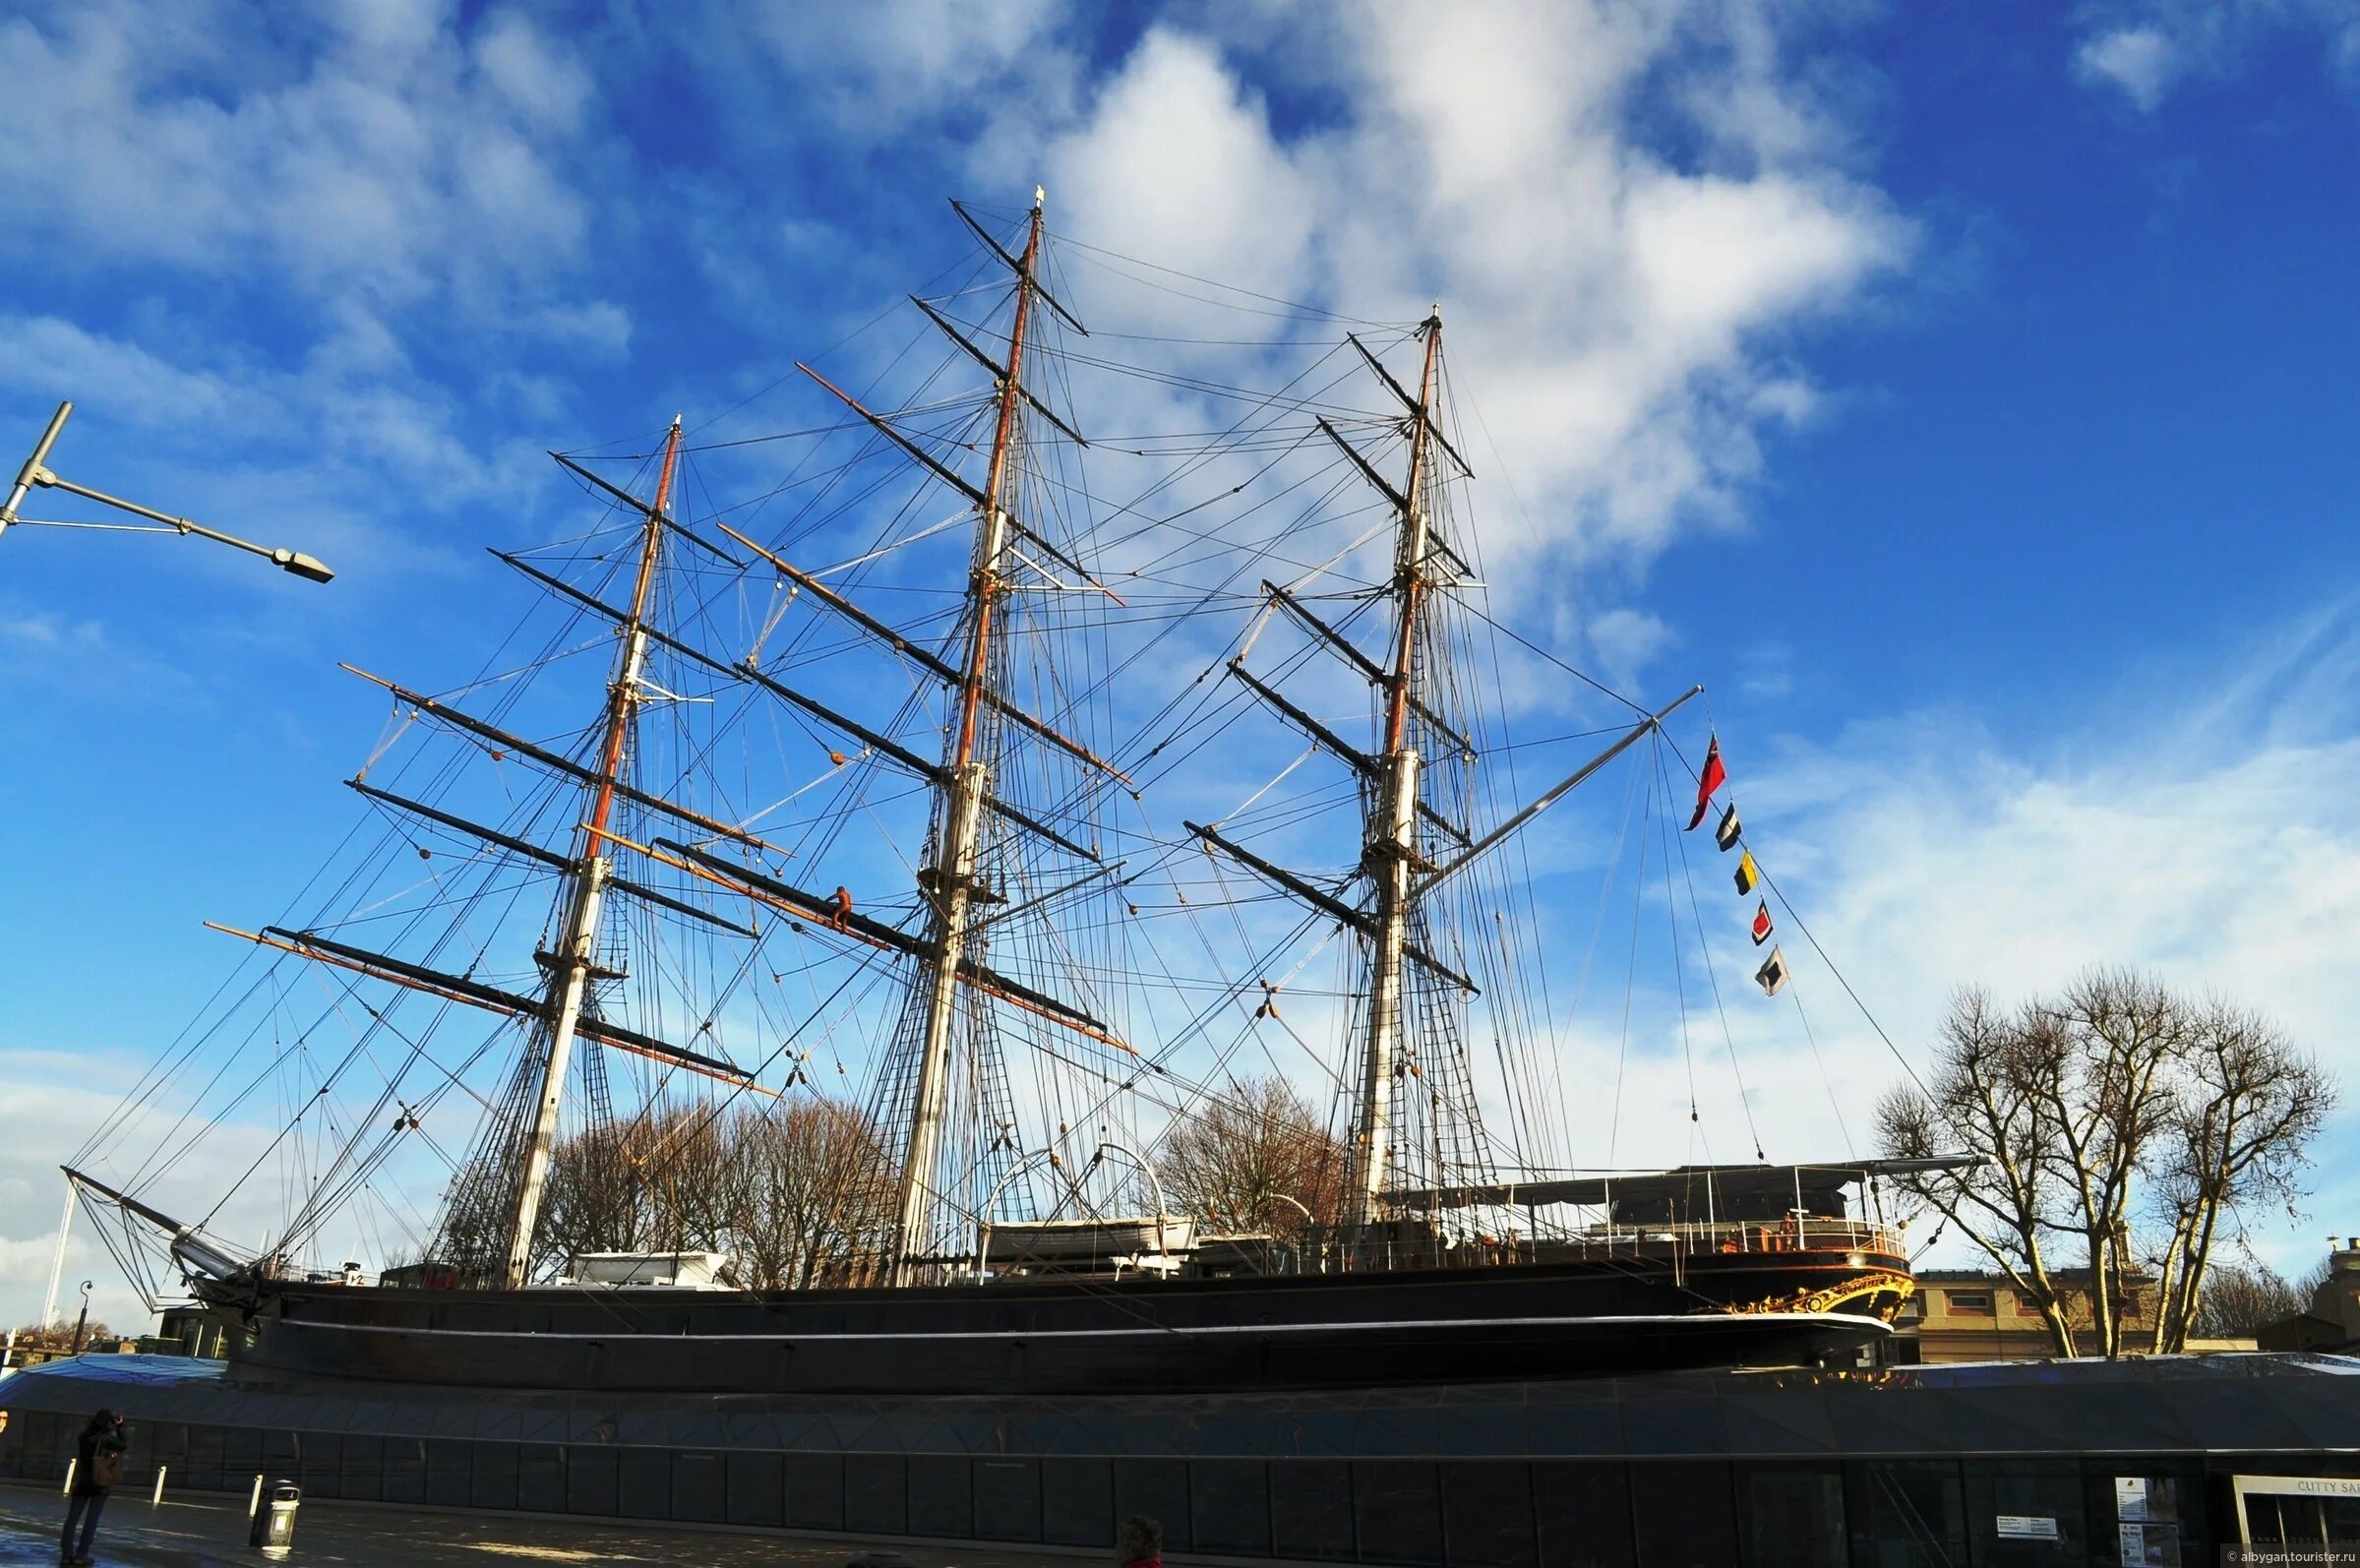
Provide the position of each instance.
(1477, 1248)
(1732, 1236)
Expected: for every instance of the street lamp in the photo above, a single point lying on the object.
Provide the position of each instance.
(1309, 1221)
(33, 473)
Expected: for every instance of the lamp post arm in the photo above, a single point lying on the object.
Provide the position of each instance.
(290, 559)
(37, 472)
(29, 475)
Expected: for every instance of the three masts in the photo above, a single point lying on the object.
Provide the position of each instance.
(1411, 991)
(955, 879)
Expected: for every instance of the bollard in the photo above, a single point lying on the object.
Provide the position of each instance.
(157, 1497)
(273, 1527)
(67, 1491)
(254, 1500)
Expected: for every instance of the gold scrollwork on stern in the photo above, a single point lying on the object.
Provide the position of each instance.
(1829, 1298)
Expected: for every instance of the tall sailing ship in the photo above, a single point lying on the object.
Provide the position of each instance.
(828, 1012)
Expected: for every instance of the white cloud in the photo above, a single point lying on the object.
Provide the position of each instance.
(2140, 61)
(355, 407)
(1765, 671)
(1179, 160)
(123, 377)
(874, 70)
(543, 84)
(43, 631)
(1627, 640)
(1926, 854)
(1615, 309)
(379, 158)
(2144, 49)
(53, 1104)
(2195, 836)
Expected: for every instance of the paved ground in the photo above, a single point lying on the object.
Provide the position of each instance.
(200, 1529)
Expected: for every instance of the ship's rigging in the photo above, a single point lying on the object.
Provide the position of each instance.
(1013, 685)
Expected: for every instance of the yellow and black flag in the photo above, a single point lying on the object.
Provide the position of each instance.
(1747, 873)
(1773, 973)
(1725, 836)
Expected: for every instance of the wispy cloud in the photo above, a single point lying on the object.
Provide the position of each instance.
(390, 154)
(57, 1099)
(2196, 835)
(2144, 49)
(2142, 62)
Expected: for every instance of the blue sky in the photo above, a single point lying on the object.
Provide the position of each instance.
(1965, 394)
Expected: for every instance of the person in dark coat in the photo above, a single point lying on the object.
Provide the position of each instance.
(1139, 1543)
(98, 1467)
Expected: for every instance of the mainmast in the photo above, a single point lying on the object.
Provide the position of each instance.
(949, 880)
(1391, 853)
(572, 966)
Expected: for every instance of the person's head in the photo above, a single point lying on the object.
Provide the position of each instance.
(1141, 1537)
(103, 1420)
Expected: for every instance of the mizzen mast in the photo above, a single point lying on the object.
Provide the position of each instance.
(572, 966)
(964, 786)
(1390, 855)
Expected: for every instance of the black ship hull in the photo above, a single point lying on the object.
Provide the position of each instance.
(1070, 1336)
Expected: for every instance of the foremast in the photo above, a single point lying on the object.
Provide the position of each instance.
(950, 879)
(572, 967)
(1391, 857)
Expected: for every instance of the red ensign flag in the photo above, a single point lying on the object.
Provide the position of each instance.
(1713, 777)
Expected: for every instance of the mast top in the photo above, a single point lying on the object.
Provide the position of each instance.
(1040, 197)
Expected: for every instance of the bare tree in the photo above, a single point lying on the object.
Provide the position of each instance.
(1983, 1101)
(60, 1336)
(598, 1199)
(2244, 1113)
(792, 1191)
(815, 1197)
(2114, 1104)
(2238, 1301)
(2110, 1095)
(691, 1165)
(1245, 1161)
(632, 1186)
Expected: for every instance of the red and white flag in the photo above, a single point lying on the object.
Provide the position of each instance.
(1761, 921)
